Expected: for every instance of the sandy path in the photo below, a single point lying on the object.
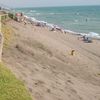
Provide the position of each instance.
(42, 60)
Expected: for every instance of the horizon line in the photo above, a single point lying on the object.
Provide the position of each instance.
(54, 6)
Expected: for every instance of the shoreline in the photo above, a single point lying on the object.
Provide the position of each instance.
(85, 22)
(53, 27)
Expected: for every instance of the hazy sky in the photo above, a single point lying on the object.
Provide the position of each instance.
(35, 3)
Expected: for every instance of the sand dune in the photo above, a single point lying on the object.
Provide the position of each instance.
(42, 60)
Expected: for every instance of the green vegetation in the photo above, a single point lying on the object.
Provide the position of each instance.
(11, 15)
(10, 87)
(4, 17)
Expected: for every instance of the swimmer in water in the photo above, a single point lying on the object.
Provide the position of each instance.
(86, 19)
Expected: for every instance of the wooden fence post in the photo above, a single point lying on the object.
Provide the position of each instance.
(1, 40)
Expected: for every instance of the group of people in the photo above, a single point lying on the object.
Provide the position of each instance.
(20, 17)
(87, 39)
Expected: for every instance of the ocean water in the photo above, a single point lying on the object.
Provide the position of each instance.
(76, 18)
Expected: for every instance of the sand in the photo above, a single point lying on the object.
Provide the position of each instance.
(42, 60)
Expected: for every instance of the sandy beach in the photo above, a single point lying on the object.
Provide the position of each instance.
(42, 60)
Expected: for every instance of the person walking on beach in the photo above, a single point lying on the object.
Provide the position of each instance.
(72, 52)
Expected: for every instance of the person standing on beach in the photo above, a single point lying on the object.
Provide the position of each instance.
(86, 20)
(72, 52)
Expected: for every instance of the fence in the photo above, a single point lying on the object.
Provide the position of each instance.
(2, 17)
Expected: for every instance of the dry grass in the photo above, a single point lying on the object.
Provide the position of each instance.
(10, 87)
(7, 32)
(38, 46)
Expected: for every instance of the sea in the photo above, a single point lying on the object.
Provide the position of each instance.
(82, 19)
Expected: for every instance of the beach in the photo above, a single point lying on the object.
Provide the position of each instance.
(42, 60)
(82, 19)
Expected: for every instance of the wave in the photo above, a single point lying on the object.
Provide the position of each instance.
(38, 13)
(57, 13)
(33, 11)
(52, 13)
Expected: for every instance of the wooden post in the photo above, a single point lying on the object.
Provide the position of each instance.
(1, 40)
(0, 23)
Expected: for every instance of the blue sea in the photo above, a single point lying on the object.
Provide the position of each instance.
(82, 19)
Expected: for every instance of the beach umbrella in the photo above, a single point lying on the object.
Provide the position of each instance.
(93, 34)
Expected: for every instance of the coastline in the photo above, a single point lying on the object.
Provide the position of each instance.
(53, 27)
(74, 19)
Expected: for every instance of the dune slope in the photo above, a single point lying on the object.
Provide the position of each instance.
(42, 60)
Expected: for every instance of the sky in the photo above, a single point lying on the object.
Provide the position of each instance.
(42, 3)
